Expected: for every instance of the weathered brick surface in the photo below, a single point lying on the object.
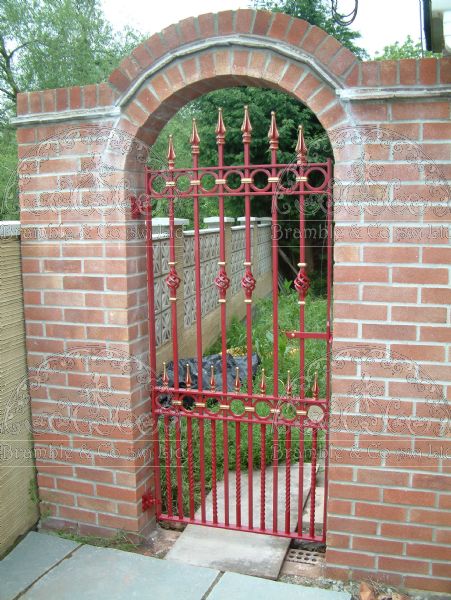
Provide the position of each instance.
(84, 280)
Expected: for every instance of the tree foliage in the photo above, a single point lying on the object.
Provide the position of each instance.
(49, 44)
(408, 49)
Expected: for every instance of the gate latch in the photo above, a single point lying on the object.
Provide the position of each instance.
(148, 500)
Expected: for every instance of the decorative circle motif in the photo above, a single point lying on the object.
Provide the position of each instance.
(237, 407)
(188, 403)
(262, 409)
(212, 405)
(315, 413)
(288, 411)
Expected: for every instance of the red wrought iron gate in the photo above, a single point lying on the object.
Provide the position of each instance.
(213, 442)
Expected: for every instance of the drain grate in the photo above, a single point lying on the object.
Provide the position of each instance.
(309, 557)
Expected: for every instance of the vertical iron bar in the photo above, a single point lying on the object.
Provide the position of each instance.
(287, 477)
(195, 141)
(213, 471)
(262, 476)
(275, 474)
(301, 285)
(246, 129)
(220, 141)
(172, 280)
(167, 445)
(152, 348)
(313, 481)
(273, 136)
(189, 428)
(238, 471)
(178, 460)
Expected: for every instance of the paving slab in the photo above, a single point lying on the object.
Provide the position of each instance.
(93, 573)
(242, 587)
(31, 558)
(228, 550)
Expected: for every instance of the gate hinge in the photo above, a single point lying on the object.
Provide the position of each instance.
(148, 500)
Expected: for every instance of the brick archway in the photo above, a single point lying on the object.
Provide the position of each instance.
(82, 152)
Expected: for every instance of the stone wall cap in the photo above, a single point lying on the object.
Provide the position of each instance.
(216, 220)
(164, 222)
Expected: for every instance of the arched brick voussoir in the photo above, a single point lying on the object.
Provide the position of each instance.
(182, 37)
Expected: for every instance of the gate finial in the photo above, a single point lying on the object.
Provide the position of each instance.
(315, 387)
(273, 133)
(171, 153)
(212, 379)
(188, 380)
(237, 385)
(194, 139)
(301, 148)
(220, 128)
(246, 127)
(289, 385)
(263, 382)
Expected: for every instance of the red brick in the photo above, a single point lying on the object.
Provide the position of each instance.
(431, 517)
(386, 293)
(78, 487)
(353, 491)
(419, 275)
(403, 565)
(262, 22)
(350, 559)
(370, 73)
(378, 546)
(420, 110)
(119, 80)
(418, 352)
(388, 332)
(390, 254)
(279, 26)
(426, 583)
(372, 312)
(445, 69)
(382, 477)
(407, 71)
(389, 72)
(428, 71)
(416, 314)
(437, 131)
(74, 514)
(435, 334)
(328, 49)
(411, 497)
(313, 39)
(243, 21)
(297, 32)
(75, 97)
(434, 482)
(83, 283)
(354, 273)
(380, 512)
(429, 551)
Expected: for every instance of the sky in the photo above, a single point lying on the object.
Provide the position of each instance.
(381, 22)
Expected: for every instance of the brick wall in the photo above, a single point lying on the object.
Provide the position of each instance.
(82, 152)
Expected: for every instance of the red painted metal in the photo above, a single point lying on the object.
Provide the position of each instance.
(218, 440)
